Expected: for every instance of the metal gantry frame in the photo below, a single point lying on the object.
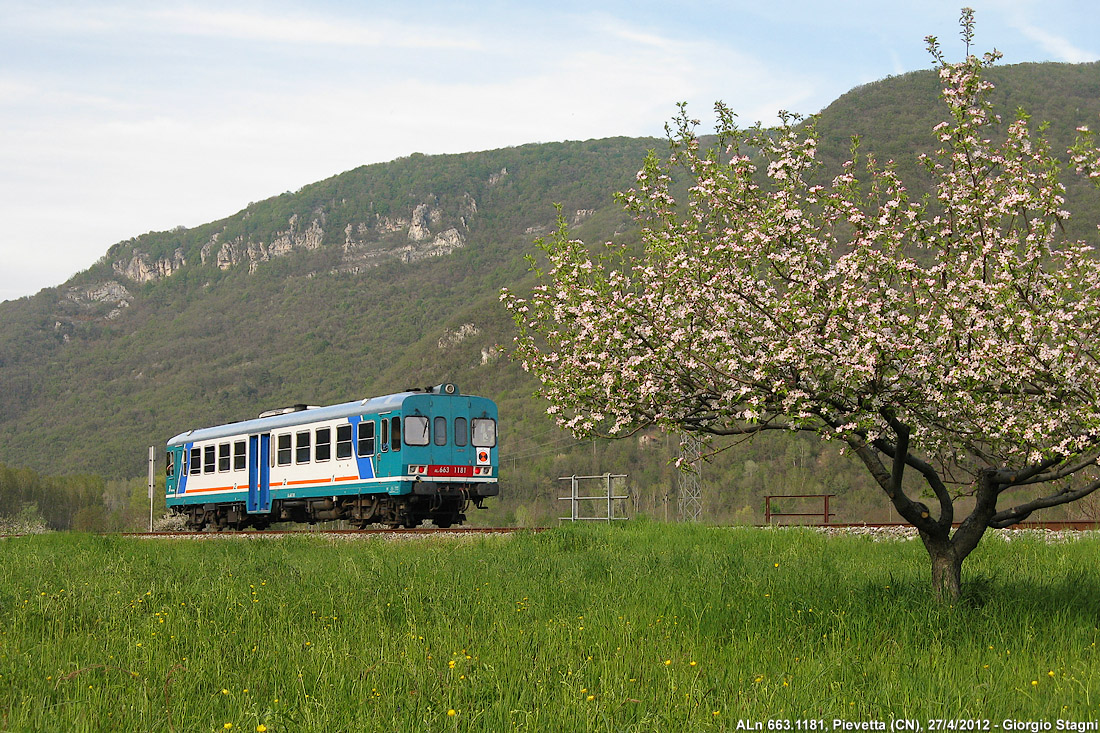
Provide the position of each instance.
(690, 493)
(575, 497)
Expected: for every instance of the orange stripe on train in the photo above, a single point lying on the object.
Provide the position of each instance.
(301, 482)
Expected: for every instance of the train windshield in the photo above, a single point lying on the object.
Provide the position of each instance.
(484, 432)
(416, 430)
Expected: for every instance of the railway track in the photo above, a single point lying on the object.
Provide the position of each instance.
(407, 532)
(1059, 526)
(1054, 526)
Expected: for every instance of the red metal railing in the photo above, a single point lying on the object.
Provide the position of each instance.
(824, 515)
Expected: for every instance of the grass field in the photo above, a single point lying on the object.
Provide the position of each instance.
(636, 627)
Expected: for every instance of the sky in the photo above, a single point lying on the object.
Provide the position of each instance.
(119, 118)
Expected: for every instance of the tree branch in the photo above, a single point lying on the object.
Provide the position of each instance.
(1019, 513)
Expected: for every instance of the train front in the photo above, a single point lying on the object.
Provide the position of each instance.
(450, 451)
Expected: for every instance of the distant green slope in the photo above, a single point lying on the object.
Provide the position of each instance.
(894, 118)
(387, 276)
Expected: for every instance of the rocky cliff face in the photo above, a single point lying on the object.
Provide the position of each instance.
(378, 238)
(90, 303)
(143, 268)
(420, 236)
(293, 239)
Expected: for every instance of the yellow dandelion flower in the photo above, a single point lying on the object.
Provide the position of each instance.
(261, 728)
(1035, 683)
(693, 663)
(227, 726)
(451, 713)
(1050, 673)
(225, 691)
(591, 698)
(668, 662)
(451, 664)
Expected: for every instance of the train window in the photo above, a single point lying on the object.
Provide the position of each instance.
(439, 431)
(395, 433)
(208, 459)
(301, 452)
(239, 460)
(343, 441)
(322, 448)
(366, 438)
(366, 429)
(196, 461)
(484, 432)
(283, 451)
(462, 432)
(223, 457)
(169, 464)
(416, 430)
(385, 442)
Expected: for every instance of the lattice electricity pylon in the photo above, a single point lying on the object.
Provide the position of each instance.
(691, 499)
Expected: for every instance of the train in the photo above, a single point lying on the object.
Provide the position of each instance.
(394, 460)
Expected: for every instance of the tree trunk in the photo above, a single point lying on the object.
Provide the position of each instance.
(946, 569)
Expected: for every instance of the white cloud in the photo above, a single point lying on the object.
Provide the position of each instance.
(1059, 47)
(139, 20)
(306, 29)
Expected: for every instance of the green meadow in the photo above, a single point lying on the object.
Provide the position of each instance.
(634, 627)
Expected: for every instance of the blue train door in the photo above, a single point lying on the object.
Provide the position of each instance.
(259, 473)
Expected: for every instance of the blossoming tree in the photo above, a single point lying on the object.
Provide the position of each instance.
(948, 341)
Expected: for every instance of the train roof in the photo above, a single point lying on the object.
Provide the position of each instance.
(370, 405)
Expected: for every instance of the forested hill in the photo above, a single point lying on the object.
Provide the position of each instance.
(371, 281)
(387, 276)
(894, 117)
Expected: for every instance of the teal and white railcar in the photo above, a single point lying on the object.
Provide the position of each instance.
(395, 460)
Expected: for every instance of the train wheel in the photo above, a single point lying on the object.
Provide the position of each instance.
(195, 520)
